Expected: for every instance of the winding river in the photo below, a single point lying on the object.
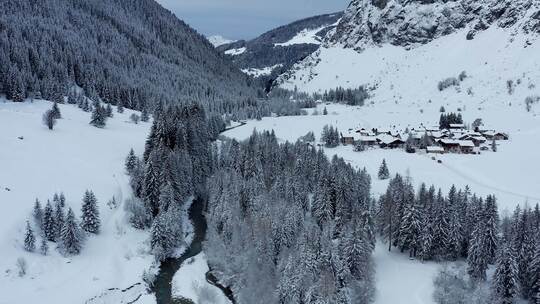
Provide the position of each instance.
(163, 283)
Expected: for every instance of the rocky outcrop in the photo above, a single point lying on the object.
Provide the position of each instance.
(409, 23)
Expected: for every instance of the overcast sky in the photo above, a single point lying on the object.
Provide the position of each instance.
(244, 19)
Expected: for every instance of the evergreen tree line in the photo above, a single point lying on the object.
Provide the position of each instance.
(451, 118)
(177, 160)
(352, 97)
(330, 136)
(287, 225)
(462, 226)
(53, 224)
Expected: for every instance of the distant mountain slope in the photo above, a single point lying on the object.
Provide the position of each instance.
(277, 50)
(403, 49)
(134, 51)
(218, 40)
(413, 22)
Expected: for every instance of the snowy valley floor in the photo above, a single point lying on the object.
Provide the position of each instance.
(75, 156)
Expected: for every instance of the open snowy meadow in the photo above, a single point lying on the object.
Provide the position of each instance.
(35, 163)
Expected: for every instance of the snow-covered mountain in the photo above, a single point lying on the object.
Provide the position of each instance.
(277, 50)
(410, 23)
(403, 49)
(218, 40)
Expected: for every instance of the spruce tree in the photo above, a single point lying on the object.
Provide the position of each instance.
(62, 200)
(71, 238)
(49, 223)
(44, 247)
(383, 171)
(90, 221)
(534, 269)
(58, 219)
(131, 161)
(37, 214)
(491, 218)
(478, 257)
(160, 238)
(109, 110)
(144, 115)
(120, 107)
(56, 111)
(29, 238)
(99, 116)
(505, 279)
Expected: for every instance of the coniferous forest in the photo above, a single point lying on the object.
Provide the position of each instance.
(271, 218)
(288, 225)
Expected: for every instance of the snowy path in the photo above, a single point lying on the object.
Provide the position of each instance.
(400, 280)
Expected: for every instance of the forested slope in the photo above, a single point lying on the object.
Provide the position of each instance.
(134, 52)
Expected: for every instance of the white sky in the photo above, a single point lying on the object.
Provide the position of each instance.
(244, 19)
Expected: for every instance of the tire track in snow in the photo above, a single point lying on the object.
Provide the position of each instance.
(484, 185)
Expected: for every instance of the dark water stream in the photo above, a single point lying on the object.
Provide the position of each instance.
(167, 269)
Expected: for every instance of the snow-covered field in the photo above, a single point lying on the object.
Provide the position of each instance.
(190, 283)
(75, 156)
(235, 52)
(305, 36)
(261, 72)
(218, 40)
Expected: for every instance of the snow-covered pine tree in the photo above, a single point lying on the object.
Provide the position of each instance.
(44, 247)
(534, 269)
(411, 229)
(160, 238)
(383, 171)
(109, 110)
(58, 218)
(322, 208)
(144, 115)
(505, 279)
(62, 200)
(441, 226)
(99, 116)
(48, 119)
(152, 182)
(49, 223)
(478, 257)
(56, 111)
(71, 239)
(492, 227)
(90, 221)
(37, 214)
(131, 161)
(29, 238)
(56, 198)
(120, 107)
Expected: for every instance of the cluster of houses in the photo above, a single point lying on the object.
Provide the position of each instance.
(433, 140)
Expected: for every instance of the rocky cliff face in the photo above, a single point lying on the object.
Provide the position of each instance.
(409, 23)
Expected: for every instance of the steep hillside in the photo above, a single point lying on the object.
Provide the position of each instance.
(410, 23)
(403, 65)
(277, 50)
(134, 51)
